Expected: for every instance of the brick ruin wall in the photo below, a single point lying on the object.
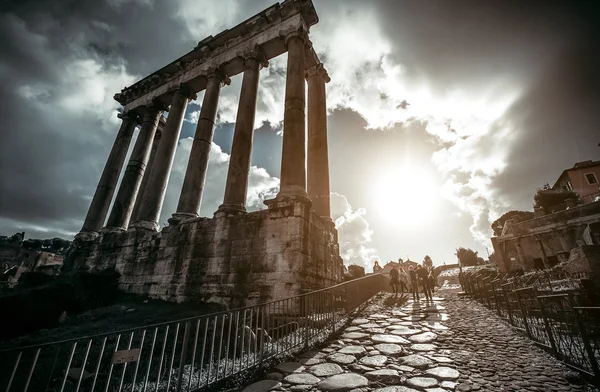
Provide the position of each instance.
(233, 260)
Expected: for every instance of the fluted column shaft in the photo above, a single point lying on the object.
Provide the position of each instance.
(293, 159)
(105, 190)
(318, 155)
(195, 175)
(236, 187)
(146, 178)
(132, 178)
(160, 171)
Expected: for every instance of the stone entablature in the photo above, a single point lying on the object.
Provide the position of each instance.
(266, 30)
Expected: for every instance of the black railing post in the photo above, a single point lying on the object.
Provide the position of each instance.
(547, 327)
(496, 298)
(186, 337)
(586, 341)
(508, 306)
(332, 309)
(523, 314)
(307, 320)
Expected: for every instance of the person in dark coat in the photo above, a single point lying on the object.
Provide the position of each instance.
(414, 285)
(394, 280)
(422, 275)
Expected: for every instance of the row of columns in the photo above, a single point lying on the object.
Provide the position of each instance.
(146, 178)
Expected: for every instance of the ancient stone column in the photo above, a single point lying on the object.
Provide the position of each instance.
(110, 175)
(132, 178)
(317, 155)
(195, 175)
(154, 194)
(521, 256)
(146, 178)
(293, 157)
(543, 253)
(236, 187)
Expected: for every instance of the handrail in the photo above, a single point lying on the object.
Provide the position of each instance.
(192, 318)
(205, 349)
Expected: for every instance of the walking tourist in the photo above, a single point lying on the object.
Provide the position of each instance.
(431, 281)
(414, 286)
(394, 280)
(422, 275)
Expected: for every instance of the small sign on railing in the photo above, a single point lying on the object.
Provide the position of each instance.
(124, 356)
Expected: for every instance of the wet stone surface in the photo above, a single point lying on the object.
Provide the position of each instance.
(452, 344)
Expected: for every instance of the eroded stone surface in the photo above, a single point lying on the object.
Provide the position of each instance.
(342, 359)
(395, 388)
(386, 376)
(416, 361)
(389, 339)
(405, 331)
(375, 360)
(354, 335)
(353, 350)
(441, 359)
(343, 382)
(425, 337)
(390, 349)
(423, 347)
(421, 382)
(443, 373)
(326, 369)
(311, 361)
(301, 378)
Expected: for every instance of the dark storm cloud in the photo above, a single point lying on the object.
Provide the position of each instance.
(50, 157)
(559, 119)
(549, 50)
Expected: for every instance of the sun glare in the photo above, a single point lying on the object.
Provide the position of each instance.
(406, 197)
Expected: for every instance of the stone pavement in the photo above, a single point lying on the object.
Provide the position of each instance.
(447, 345)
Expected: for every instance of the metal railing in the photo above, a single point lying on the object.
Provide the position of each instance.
(554, 321)
(190, 354)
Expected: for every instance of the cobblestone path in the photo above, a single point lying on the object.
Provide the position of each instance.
(446, 345)
(491, 356)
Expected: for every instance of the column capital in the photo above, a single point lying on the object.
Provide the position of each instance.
(155, 106)
(130, 115)
(301, 34)
(220, 75)
(257, 55)
(186, 91)
(318, 70)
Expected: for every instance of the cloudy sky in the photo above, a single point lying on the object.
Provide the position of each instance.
(502, 97)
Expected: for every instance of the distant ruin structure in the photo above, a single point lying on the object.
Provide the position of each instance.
(235, 258)
(549, 239)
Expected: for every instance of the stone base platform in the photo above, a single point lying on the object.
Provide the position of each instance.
(234, 260)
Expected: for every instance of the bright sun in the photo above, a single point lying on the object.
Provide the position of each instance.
(406, 197)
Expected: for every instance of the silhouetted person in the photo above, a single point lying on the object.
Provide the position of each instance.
(431, 281)
(394, 281)
(422, 275)
(414, 284)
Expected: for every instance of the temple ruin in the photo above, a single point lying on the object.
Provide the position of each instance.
(237, 257)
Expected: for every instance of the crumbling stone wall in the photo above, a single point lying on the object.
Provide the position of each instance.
(558, 233)
(234, 260)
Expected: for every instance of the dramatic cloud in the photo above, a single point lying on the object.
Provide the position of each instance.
(261, 185)
(354, 234)
(491, 99)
